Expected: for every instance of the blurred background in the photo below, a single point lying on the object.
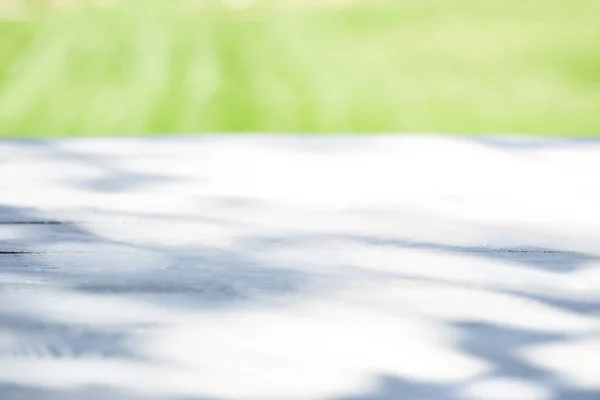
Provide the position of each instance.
(116, 67)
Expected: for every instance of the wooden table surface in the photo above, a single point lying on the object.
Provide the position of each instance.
(287, 267)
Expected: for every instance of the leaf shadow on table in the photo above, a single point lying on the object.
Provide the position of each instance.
(40, 253)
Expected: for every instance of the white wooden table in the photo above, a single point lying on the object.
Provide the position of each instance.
(329, 267)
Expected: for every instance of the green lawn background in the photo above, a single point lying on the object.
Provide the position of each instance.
(468, 66)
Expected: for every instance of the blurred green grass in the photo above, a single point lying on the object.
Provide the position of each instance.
(469, 66)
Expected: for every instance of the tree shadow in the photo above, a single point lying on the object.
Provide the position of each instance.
(500, 347)
(74, 259)
(544, 258)
(19, 392)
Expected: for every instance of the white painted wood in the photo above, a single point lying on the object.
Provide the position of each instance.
(286, 267)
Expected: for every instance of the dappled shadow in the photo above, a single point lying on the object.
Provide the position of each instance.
(81, 259)
(38, 337)
(18, 392)
(510, 377)
(209, 284)
(544, 258)
(392, 387)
